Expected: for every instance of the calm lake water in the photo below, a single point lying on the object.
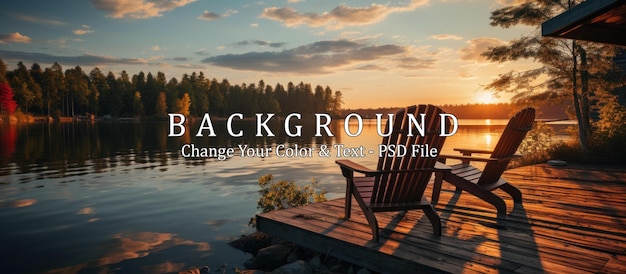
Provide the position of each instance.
(119, 197)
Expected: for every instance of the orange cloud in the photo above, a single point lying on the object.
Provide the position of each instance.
(477, 46)
(139, 9)
(338, 17)
(445, 37)
(15, 37)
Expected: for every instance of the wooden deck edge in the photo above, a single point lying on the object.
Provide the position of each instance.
(343, 250)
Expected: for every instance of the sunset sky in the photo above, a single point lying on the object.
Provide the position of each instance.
(377, 53)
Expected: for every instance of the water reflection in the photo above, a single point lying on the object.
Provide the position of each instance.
(18, 203)
(488, 140)
(134, 246)
(8, 135)
(59, 149)
(119, 197)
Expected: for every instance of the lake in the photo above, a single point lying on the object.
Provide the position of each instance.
(120, 197)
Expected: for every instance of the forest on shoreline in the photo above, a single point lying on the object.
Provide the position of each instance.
(53, 92)
(473, 111)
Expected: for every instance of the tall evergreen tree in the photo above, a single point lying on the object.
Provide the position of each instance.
(100, 89)
(160, 110)
(36, 72)
(127, 90)
(281, 96)
(26, 91)
(183, 105)
(3, 72)
(53, 87)
(199, 94)
(113, 102)
(216, 98)
(171, 94)
(337, 103)
(78, 91)
(150, 92)
(138, 107)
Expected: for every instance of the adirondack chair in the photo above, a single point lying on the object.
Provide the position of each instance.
(482, 183)
(398, 183)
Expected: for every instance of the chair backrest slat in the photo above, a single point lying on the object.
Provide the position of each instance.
(405, 187)
(511, 138)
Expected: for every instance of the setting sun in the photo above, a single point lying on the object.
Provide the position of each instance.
(485, 97)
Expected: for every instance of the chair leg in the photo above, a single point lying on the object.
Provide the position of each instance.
(494, 200)
(371, 219)
(369, 215)
(434, 219)
(348, 202)
(436, 188)
(513, 191)
(488, 197)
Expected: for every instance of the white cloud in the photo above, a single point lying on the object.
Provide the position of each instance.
(155, 48)
(477, 46)
(82, 31)
(512, 2)
(229, 13)
(85, 30)
(445, 37)
(138, 9)
(209, 15)
(254, 25)
(38, 20)
(338, 17)
(15, 37)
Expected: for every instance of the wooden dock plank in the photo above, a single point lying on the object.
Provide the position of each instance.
(570, 221)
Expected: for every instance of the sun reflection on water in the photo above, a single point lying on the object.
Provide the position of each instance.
(488, 140)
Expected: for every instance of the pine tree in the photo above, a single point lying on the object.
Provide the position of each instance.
(138, 108)
(160, 110)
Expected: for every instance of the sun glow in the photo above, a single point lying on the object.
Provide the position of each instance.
(488, 140)
(485, 97)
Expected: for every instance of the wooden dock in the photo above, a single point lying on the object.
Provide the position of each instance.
(573, 220)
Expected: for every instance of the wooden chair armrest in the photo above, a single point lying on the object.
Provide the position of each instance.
(351, 167)
(348, 168)
(469, 151)
(476, 158)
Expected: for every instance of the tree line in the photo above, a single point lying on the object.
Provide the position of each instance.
(51, 91)
(473, 111)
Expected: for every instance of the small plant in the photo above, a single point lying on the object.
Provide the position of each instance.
(536, 145)
(286, 194)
